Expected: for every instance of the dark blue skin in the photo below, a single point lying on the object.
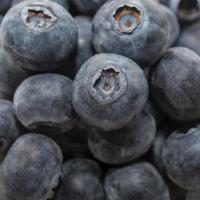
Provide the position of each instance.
(88, 7)
(9, 127)
(123, 27)
(193, 195)
(4, 6)
(80, 180)
(139, 181)
(126, 144)
(174, 84)
(187, 11)
(61, 2)
(190, 37)
(44, 23)
(1, 18)
(31, 169)
(85, 48)
(43, 103)
(181, 158)
(11, 75)
(108, 91)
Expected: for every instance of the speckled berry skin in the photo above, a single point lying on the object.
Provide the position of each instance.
(136, 181)
(45, 36)
(174, 84)
(181, 158)
(126, 144)
(81, 180)
(136, 29)
(31, 169)
(9, 127)
(43, 103)
(108, 91)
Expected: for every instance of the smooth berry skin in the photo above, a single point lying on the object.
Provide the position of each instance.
(31, 169)
(181, 158)
(84, 49)
(4, 6)
(175, 83)
(186, 11)
(61, 2)
(88, 7)
(126, 144)
(108, 91)
(142, 35)
(135, 181)
(81, 180)
(44, 38)
(11, 75)
(192, 195)
(9, 127)
(42, 103)
(190, 37)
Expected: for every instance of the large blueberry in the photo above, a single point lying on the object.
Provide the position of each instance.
(137, 29)
(139, 181)
(9, 127)
(80, 180)
(126, 144)
(109, 90)
(43, 103)
(39, 34)
(175, 84)
(181, 158)
(31, 169)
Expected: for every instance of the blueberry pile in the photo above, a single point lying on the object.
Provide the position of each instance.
(99, 99)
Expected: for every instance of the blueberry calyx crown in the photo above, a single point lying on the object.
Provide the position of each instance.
(108, 84)
(38, 17)
(128, 18)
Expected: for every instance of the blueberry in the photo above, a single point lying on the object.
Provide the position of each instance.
(187, 11)
(181, 158)
(88, 7)
(9, 127)
(175, 84)
(190, 37)
(139, 181)
(136, 29)
(42, 37)
(81, 180)
(4, 6)
(109, 90)
(61, 2)
(43, 103)
(126, 144)
(11, 75)
(85, 48)
(1, 18)
(31, 169)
